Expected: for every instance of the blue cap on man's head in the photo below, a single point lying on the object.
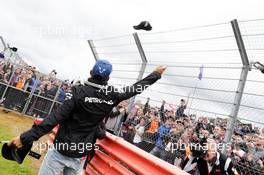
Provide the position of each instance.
(102, 68)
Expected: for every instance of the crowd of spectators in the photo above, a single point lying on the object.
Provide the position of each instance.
(154, 129)
(164, 132)
(23, 80)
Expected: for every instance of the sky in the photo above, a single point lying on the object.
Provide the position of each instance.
(53, 34)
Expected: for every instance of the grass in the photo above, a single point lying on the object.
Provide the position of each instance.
(11, 167)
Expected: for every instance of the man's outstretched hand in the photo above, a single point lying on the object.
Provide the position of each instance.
(15, 142)
(160, 69)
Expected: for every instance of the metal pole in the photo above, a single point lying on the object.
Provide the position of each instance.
(240, 89)
(142, 69)
(240, 43)
(8, 84)
(55, 98)
(11, 52)
(30, 97)
(140, 48)
(93, 49)
(3, 42)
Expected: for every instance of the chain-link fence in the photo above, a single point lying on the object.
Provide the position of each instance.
(202, 90)
(201, 95)
(25, 90)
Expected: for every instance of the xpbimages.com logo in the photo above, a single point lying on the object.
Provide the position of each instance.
(175, 147)
(119, 88)
(122, 88)
(80, 148)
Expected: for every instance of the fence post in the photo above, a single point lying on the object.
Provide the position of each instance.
(242, 81)
(30, 97)
(8, 83)
(140, 48)
(93, 49)
(11, 52)
(3, 42)
(55, 98)
(142, 69)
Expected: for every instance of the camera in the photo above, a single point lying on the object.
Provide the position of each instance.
(259, 66)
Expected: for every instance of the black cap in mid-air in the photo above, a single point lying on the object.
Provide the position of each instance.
(144, 25)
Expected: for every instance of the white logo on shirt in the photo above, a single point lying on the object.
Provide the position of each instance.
(97, 100)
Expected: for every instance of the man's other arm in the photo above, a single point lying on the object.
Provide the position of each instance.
(62, 113)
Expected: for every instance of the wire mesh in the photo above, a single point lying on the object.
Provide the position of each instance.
(2, 46)
(210, 99)
(203, 43)
(118, 48)
(27, 91)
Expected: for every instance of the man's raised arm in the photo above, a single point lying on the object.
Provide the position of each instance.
(141, 85)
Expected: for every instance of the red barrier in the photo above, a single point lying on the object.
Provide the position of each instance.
(103, 164)
(118, 157)
(123, 156)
